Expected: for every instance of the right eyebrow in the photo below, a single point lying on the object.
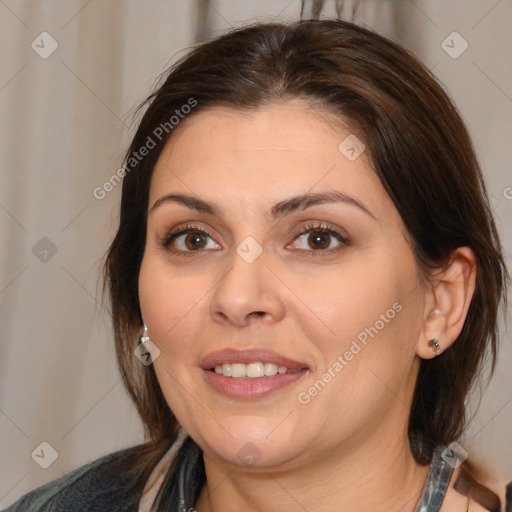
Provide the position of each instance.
(190, 202)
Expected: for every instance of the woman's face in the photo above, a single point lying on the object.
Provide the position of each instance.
(269, 245)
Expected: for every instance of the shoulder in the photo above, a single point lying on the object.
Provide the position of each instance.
(97, 485)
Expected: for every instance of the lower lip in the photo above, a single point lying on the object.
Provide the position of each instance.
(251, 388)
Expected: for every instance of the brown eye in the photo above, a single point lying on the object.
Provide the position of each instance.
(195, 241)
(319, 240)
(189, 240)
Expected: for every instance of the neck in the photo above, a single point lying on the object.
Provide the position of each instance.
(377, 476)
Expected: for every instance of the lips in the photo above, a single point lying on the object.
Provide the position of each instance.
(247, 387)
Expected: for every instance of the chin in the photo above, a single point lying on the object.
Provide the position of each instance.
(258, 446)
(254, 455)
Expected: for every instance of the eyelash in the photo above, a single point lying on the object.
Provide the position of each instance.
(166, 241)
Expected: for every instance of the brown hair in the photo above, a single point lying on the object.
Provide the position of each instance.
(420, 150)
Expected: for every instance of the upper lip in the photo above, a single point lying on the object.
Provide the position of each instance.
(246, 356)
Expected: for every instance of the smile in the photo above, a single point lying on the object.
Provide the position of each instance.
(251, 371)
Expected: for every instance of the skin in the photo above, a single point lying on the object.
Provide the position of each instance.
(347, 449)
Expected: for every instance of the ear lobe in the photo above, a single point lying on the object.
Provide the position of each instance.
(452, 288)
(433, 341)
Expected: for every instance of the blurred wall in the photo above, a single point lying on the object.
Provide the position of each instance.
(71, 74)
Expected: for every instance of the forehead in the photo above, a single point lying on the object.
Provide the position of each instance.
(264, 154)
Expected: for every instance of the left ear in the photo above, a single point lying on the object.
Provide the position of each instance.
(448, 302)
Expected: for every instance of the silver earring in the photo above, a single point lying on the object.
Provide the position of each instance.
(434, 345)
(144, 338)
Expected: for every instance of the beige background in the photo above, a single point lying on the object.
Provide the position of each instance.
(64, 125)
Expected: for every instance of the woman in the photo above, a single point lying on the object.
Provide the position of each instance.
(308, 256)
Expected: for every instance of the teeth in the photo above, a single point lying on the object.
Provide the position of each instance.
(255, 370)
(270, 369)
(252, 370)
(238, 370)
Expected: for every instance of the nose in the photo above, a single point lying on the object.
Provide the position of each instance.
(247, 292)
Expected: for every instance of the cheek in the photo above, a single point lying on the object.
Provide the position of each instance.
(170, 304)
(345, 300)
(362, 315)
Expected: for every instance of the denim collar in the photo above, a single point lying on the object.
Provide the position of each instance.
(431, 499)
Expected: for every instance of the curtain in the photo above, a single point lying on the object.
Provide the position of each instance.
(72, 73)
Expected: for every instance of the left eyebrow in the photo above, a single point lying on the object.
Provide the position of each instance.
(285, 207)
(307, 200)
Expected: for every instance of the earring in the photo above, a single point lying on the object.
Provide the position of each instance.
(434, 344)
(144, 338)
(146, 351)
